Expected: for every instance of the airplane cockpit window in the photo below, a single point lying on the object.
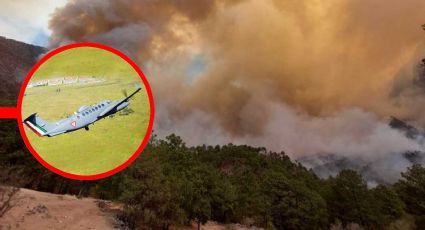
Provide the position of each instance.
(82, 108)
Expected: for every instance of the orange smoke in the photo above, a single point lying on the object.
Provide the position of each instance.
(316, 57)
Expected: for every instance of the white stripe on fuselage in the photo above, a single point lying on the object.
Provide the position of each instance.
(35, 128)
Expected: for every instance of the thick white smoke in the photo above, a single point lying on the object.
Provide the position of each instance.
(309, 77)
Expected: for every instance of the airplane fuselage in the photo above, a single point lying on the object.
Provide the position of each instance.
(85, 116)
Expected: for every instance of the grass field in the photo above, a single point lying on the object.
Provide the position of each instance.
(110, 141)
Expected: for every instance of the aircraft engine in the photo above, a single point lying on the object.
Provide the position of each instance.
(122, 106)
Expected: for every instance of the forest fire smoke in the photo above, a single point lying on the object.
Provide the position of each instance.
(307, 77)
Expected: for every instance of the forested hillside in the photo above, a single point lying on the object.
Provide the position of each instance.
(171, 184)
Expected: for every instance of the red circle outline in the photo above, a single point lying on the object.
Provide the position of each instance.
(116, 169)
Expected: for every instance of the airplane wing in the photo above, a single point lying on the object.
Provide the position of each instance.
(114, 106)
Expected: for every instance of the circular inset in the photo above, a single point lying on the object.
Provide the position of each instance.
(86, 111)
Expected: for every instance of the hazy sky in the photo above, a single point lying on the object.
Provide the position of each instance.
(26, 20)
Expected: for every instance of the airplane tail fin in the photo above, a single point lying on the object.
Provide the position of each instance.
(38, 125)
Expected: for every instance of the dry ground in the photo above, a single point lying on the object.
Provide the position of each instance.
(39, 210)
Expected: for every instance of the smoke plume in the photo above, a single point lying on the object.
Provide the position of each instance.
(307, 77)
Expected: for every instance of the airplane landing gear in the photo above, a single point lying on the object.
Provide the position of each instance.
(86, 128)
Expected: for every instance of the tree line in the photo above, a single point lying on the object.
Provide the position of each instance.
(171, 184)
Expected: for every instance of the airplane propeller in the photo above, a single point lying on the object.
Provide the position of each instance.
(124, 92)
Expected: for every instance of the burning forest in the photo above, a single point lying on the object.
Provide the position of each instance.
(312, 79)
(271, 114)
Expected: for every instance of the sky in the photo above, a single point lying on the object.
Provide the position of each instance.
(27, 20)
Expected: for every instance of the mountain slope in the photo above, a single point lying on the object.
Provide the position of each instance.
(16, 59)
(39, 210)
(385, 169)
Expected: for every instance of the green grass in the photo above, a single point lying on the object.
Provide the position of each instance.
(111, 141)
(84, 61)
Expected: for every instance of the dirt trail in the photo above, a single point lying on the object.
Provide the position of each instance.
(38, 210)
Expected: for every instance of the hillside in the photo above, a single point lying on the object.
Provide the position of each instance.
(38, 210)
(15, 61)
(173, 184)
(385, 169)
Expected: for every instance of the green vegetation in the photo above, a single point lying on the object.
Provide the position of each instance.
(85, 61)
(411, 189)
(171, 184)
(111, 141)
